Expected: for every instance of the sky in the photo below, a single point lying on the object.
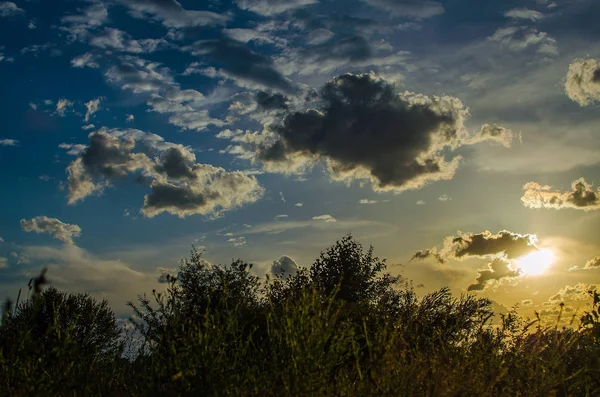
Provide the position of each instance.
(460, 138)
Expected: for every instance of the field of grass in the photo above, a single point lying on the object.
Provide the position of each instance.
(343, 327)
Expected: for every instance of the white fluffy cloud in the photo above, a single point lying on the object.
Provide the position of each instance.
(524, 13)
(92, 107)
(583, 81)
(61, 231)
(8, 142)
(272, 7)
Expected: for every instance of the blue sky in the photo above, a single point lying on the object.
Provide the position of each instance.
(460, 138)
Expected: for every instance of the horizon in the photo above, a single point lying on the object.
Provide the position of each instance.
(459, 139)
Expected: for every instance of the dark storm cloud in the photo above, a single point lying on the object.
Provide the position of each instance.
(511, 245)
(364, 130)
(240, 63)
(583, 81)
(172, 14)
(429, 254)
(284, 266)
(582, 196)
(498, 270)
(176, 164)
(271, 101)
(419, 9)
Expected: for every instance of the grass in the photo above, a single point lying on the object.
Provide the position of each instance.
(341, 328)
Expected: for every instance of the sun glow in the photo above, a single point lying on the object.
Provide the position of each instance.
(536, 262)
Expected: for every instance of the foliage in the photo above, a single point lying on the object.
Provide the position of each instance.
(343, 327)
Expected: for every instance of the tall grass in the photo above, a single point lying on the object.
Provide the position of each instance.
(341, 328)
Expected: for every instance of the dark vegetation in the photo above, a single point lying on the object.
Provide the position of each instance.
(343, 327)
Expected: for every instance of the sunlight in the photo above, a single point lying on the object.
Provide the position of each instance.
(536, 262)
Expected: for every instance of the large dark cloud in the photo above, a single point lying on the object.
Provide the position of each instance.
(240, 63)
(509, 244)
(179, 185)
(583, 81)
(172, 14)
(364, 130)
(582, 196)
(271, 101)
(497, 270)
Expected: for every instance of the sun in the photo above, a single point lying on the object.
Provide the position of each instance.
(536, 262)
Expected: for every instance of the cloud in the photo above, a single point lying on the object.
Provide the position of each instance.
(299, 205)
(8, 9)
(363, 130)
(527, 302)
(494, 133)
(178, 184)
(8, 142)
(92, 107)
(285, 267)
(166, 96)
(90, 18)
(73, 268)
(593, 263)
(239, 63)
(73, 149)
(524, 13)
(419, 9)
(421, 202)
(570, 293)
(117, 40)
(214, 192)
(496, 271)
(282, 197)
(140, 76)
(172, 14)
(326, 218)
(85, 60)
(444, 197)
(429, 254)
(519, 38)
(273, 7)
(129, 118)
(367, 202)
(582, 196)
(62, 106)
(582, 83)
(59, 230)
(237, 241)
(510, 245)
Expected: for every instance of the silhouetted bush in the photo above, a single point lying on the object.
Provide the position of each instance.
(342, 327)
